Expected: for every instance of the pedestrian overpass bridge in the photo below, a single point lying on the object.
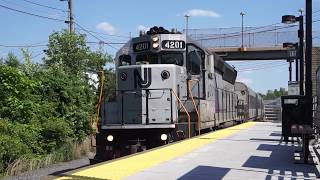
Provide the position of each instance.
(254, 43)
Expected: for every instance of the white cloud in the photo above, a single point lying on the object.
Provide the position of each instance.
(106, 27)
(202, 12)
(142, 28)
(245, 80)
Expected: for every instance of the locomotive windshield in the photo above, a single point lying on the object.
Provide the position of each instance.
(162, 58)
(147, 59)
(125, 60)
(172, 58)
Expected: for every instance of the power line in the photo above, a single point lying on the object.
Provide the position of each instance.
(263, 31)
(31, 14)
(49, 7)
(22, 46)
(87, 31)
(28, 8)
(235, 35)
(261, 68)
(122, 36)
(252, 29)
(100, 33)
(261, 27)
(252, 64)
(82, 28)
(37, 55)
(116, 43)
(314, 12)
(258, 66)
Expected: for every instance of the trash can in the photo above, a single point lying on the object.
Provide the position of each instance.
(293, 112)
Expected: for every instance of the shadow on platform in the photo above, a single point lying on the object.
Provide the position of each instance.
(281, 163)
(276, 134)
(205, 173)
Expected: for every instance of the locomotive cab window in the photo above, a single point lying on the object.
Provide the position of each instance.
(172, 58)
(124, 60)
(146, 59)
(194, 58)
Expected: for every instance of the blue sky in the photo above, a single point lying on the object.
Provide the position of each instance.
(122, 17)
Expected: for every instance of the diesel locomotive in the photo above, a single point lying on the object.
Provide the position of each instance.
(169, 88)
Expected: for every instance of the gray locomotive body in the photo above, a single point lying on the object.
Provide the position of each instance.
(168, 88)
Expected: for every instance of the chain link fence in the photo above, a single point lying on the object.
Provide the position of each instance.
(263, 36)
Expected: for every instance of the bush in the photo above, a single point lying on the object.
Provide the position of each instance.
(45, 108)
(55, 132)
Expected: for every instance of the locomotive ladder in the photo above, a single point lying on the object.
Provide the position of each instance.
(185, 109)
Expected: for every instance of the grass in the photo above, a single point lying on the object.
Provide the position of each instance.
(69, 151)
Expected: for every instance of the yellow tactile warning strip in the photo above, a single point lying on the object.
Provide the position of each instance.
(125, 167)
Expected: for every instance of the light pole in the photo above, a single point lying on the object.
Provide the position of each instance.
(309, 118)
(187, 23)
(289, 19)
(301, 11)
(242, 14)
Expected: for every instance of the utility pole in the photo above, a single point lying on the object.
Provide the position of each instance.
(70, 16)
(71, 19)
(101, 43)
(187, 23)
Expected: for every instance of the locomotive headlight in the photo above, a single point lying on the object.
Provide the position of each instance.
(110, 138)
(165, 74)
(164, 137)
(155, 45)
(155, 38)
(123, 76)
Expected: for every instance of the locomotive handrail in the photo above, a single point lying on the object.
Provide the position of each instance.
(101, 96)
(194, 103)
(185, 109)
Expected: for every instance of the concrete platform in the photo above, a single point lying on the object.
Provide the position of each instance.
(247, 151)
(254, 153)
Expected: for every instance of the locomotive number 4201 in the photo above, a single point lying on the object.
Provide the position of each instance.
(173, 44)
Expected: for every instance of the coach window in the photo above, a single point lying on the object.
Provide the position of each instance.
(124, 60)
(194, 57)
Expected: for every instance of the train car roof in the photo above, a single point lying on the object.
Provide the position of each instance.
(240, 86)
(228, 72)
(247, 88)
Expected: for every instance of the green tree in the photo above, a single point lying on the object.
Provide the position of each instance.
(70, 51)
(12, 60)
(46, 107)
(16, 98)
(273, 94)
